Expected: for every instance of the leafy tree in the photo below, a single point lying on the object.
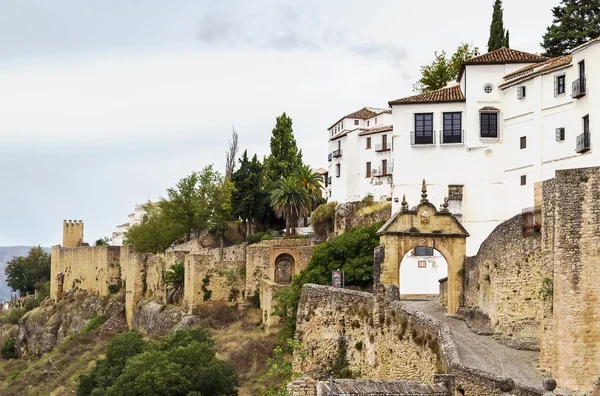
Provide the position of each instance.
(220, 208)
(498, 36)
(183, 363)
(285, 156)
(280, 368)
(175, 281)
(102, 242)
(25, 274)
(184, 205)
(443, 69)
(155, 232)
(230, 155)
(290, 200)
(351, 252)
(249, 197)
(575, 22)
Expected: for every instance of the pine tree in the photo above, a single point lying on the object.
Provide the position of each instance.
(285, 156)
(249, 199)
(575, 22)
(498, 36)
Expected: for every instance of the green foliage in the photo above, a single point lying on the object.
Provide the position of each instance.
(312, 182)
(114, 288)
(575, 22)
(102, 242)
(13, 316)
(351, 252)
(249, 199)
(498, 36)
(285, 156)
(93, 324)
(23, 274)
(155, 232)
(174, 280)
(547, 289)
(259, 236)
(207, 293)
(43, 292)
(279, 368)
(183, 363)
(290, 200)
(323, 218)
(9, 349)
(220, 208)
(443, 69)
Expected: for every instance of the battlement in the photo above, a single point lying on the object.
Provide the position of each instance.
(72, 233)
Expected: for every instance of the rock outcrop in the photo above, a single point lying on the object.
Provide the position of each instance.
(152, 318)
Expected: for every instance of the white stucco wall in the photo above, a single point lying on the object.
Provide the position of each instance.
(415, 280)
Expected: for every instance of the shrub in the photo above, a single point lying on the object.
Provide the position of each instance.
(358, 346)
(175, 282)
(9, 349)
(93, 324)
(367, 200)
(323, 218)
(258, 236)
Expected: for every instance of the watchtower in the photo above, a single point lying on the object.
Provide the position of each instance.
(72, 233)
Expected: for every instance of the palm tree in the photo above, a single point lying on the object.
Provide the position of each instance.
(175, 281)
(290, 199)
(312, 182)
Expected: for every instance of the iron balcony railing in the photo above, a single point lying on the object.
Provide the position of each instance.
(422, 138)
(381, 147)
(329, 157)
(329, 180)
(451, 136)
(337, 153)
(583, 143)
(579, 88)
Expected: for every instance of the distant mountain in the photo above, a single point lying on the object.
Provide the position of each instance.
(7, 253)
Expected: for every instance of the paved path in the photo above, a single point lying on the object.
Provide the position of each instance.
(483, 352)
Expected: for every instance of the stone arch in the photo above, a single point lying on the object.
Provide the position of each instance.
(284, 269)
(425, 226)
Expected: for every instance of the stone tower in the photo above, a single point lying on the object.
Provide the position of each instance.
(72, 233)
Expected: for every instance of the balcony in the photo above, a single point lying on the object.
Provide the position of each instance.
(583, 143)
(452, 137)
(380, 147)
(578, 88)
(337, 153)
(329, 157)
(422, 138)
(329, 180)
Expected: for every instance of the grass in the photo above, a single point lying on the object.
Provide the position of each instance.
(375, 207)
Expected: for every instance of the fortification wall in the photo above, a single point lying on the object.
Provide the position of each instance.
(350, 215)
(267, 290)
(72, 233)
(261, 258)
(576, 286)
(92, 269)
(503, 281)
(547, 275)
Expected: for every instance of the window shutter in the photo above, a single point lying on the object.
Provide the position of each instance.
(560, 134)
(555, 85)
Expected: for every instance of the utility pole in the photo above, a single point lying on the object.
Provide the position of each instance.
(331, 384)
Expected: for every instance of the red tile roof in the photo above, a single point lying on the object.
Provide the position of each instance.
(444, 95)
(362, 114)
(501, 56)
(386, 128)
(537, 69)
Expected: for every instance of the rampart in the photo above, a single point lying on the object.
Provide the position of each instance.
(376, 337)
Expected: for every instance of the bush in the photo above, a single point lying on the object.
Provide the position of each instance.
(259, 236)
(9, 349)
(93, 324)
(323, 219)
(13, 316)
(351, 252)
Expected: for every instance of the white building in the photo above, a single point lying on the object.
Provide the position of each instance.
(510, 120)
(360, 159)
(134, 218)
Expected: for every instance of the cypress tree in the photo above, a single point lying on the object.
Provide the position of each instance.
(498, 36)
(507, 39)
(575, 22)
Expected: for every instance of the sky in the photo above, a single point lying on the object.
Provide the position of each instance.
(106, 104)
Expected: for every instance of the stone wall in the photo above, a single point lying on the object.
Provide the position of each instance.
(88, 268)
(576, 285)
(261, 257)
(350, 215)
(267, 290)
(306, 386)
(547, 272)
(444, 292)
(503, 282)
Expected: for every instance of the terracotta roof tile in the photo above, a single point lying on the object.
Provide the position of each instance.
(386, 128)
(362, 114)
(451, 94)
(501, 56)
(537, 69)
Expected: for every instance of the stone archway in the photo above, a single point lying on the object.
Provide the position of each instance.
(284, 269)
(424, 225)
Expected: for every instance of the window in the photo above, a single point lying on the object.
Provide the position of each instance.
(339, 145)
(368, 171)
(423, 128)
(355, 122)
(452, 128)
(384, 167)
(423, 251)
(521, 92)
(368, 122)
(337, 170)
(375, 120)
(488, 88)
(422, 264)
(384, 142)
(523, 180)
(560, 85)
(523, 142)
(368, 143)
(560, 134)
(489, 125)
(341, 126)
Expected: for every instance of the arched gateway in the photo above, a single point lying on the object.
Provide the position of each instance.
(424, 226)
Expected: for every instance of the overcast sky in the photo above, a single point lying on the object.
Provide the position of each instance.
(104, 104)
